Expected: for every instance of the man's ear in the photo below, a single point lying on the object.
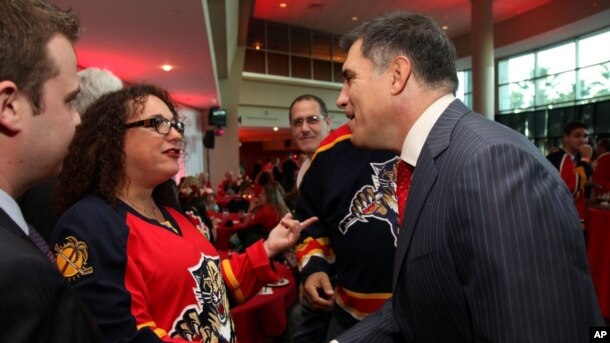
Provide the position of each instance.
(12, 106)
(400, 68)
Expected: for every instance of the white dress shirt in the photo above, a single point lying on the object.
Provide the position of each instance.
(9, 205)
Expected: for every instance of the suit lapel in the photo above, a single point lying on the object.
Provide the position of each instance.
(7, 223)
(424, 178)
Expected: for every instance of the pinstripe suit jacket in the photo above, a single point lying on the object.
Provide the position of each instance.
(36, 303)
(490, 249)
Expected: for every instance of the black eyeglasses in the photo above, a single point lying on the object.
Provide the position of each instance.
(162, 125)
(311, 120)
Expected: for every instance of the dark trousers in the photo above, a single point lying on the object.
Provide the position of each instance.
(322, 326)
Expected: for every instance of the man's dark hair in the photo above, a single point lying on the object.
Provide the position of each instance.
(323, 109)
(414, 35)
(26, 26)
(573, 125)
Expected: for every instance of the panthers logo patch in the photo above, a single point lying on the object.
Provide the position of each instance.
(209, 320)
(72, 258)
(376, 200)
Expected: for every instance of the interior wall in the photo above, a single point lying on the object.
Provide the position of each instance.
(264, 100)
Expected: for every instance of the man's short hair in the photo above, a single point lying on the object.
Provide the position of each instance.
(573, 125)
(94, 82)
(321, 103)
(26, 26)
(414, 35)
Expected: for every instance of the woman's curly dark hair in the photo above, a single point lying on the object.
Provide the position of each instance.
(96, 161)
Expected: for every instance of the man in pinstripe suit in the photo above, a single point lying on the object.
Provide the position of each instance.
(490, 248)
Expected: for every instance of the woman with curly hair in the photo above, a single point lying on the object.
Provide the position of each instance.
(145, 271)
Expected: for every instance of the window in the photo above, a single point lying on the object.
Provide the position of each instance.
(279, 49)
(541, 91)
(464, 91)
(567, 74)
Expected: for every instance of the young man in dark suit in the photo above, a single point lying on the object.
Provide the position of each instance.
(490, 248)
(37, 121)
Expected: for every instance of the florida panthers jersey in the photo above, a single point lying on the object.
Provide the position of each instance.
(352, 191)
(139, 277)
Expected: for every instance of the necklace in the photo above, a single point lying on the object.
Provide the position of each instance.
(147, 212)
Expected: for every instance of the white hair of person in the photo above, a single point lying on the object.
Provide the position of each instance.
(94, 82)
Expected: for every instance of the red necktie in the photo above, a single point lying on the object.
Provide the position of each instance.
(403, 182)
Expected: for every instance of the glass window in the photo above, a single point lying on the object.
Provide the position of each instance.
(300, 67)
(516, 95)
(464, 91)
(566, 74)
(595, 81)
(277, 37)
(338, 72)
(321, 46)
(555, 89)
(277, 64)
(322, 70)
(300, 42)
(516, 69)
(255, 61)
(556, 60)
(280, 49)
(338, 54)
(256, 34)
(595, 49)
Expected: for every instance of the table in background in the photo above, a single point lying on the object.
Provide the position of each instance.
(266, 315)
(598, 251)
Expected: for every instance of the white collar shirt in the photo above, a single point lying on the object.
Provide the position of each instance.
(414, 142)
(9, 205)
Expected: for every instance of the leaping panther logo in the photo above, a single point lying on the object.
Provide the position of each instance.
(210, 320)
(376, 201)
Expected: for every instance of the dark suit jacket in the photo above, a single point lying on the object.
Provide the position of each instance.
(491, 248)
(36, 303)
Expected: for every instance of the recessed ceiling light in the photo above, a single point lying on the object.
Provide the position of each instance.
(275, 128)
(445, 27)
(283, 5)
(354, 18)
(167, 67)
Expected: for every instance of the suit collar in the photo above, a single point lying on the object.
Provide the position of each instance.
(10, 207)
(424, 177)
(414, 142)
(9, 224)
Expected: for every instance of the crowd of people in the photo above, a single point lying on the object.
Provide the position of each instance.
(410, 223)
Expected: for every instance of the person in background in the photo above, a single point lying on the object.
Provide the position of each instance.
(265, 211)
(94, 82)
(601, 175)
(309, 125)
(204, 181)
(38, 84)
(490, 246)
(352, 192)
(572, 161)
(36, 202)
(229, 185)
(145, 271)
(289, 170)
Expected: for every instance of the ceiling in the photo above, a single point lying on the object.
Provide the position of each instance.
(339, 16)
(133, 38)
